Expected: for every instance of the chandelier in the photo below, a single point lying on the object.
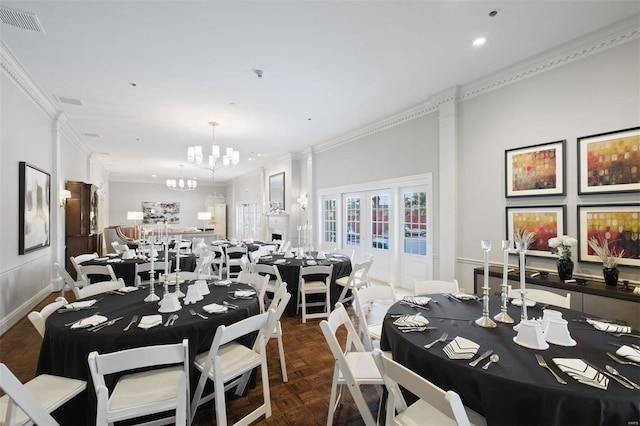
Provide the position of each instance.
(181, 184)
(230, 158)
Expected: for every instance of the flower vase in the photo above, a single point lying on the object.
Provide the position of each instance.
(565, 269)
(610, 276)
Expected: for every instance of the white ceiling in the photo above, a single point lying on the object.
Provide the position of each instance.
(329, 67)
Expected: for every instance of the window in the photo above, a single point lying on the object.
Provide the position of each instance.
(330, 216)
(248, 221)
(353, 221)
(415, 223)
(380, 222)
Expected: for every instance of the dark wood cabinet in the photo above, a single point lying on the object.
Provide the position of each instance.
(81, 221)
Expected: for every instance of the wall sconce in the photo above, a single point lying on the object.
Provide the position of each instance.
(64, 194)
(303, 201)
(135, 216)
(204, 217)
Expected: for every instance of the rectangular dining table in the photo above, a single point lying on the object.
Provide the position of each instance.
(515, 390)
(64, 350)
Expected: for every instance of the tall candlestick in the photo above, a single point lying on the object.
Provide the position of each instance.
(484, 320)
(521, 252)
(503, 316)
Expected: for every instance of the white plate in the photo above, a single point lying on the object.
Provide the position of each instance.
(214, 308)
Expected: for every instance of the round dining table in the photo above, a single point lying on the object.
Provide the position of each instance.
(126, 268)
(516, 390)
(289, 269)
(64, 351)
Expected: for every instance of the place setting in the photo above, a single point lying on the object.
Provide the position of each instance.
(420, 302)
(410, 323)
(78, 306)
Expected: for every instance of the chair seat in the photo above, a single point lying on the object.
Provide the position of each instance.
(357, 283)
(416, 414)
(315, 287)
(375, 331)
(47, 391)
(150, 388)
(234, 359)
(363, 368)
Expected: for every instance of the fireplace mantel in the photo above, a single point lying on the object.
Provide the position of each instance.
(277, 223)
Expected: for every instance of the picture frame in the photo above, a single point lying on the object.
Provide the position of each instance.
(160, 212)
(608, 162)
(544, 221)
(618, 223)
(276, 191)
(34, 217)
(535, 170)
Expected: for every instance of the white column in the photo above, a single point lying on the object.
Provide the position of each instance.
(447, 183)
(58, 242)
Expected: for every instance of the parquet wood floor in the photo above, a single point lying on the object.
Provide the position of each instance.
(303, 400)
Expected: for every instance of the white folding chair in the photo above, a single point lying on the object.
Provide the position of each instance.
(354, 365)
(284, 247)
(373, 302)
(258, 282)
(104, 270)
(158, 267)
(38, 319)
(217, 261)
(279, 302)
(271, 271)
(358, 278)
(435, 406)
(542, 296)
(233, 257)
(32, 402)
(310, 284)
(227, 361)
(76, 261)
(157, 390)
(434, 286)
(184, 247)
(87, 291)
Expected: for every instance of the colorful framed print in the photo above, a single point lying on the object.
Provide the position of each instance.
(544, 221)
(609, 162)
(617, 223)
(34, 208)
(535, 170)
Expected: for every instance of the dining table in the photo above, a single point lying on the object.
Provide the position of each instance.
(64, 349)
(289, 268)
(126, 268)
(515, 390)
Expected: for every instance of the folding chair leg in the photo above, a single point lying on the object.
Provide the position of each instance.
(334, 397)
(362, 406)
(283, 363)
(221, 410)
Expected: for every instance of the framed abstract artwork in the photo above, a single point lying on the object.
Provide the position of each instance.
(619, 224)
(161, 212)
(544, 221)
(609, 162)
(34, 224)
(535, 170)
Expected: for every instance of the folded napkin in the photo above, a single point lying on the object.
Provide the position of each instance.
(311, 262)
(89, 322)
(583, 373)
(464, 296)
(244, 293)
(280, 261)
(81, 305)
(609, 327)
(126, 289)
(214, 308)
(417, 300)
(101, 259)
(113, 255)
(518, 302)
(628, 352)
(149, 321)
(222, 282)
(461, 348)
(114, 260)
(266, 257)
(411, 321)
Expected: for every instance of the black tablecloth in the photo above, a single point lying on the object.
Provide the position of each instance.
(126, 268)
(290, 273)
(64, 351)
(516, 390)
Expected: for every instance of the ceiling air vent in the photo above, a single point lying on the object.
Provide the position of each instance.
(24, 20)
(70, 101)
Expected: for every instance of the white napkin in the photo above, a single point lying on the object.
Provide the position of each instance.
(417, 300)
(214, 308)
(609, 327)
(244, 293)
(628, 352)
(126, 289)
(577, 369)
(222, 282)
(101, 259)
(114, 260)
(149, 321)
(81, 305)
(311, 262)
(518, 302)
(89, 322)
(280, 261)
(464, 296)
(411, 321)
(461, 348)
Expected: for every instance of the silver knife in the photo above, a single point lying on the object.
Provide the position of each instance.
(606, 373)
(480, 358)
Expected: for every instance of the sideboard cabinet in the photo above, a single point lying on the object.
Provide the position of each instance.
(81, 221)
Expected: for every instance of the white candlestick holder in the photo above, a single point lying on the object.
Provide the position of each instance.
(484, 320)
(503, 316)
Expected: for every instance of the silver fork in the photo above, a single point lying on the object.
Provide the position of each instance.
(440, 339)
(103, 325)
(621, 361)
(192, 312)
(543, 363)
(133, 321)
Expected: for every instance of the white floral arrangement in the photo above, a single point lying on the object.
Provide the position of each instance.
(562, 246)
(609, 257)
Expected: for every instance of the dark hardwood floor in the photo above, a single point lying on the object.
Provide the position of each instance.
(303, 400)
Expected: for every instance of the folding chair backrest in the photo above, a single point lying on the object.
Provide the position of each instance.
(435, 286)
(271, 270)
(38, 319)
(258, 282)
(75, 286)
(105, 270)
(19, 396)
(366, 297)
(307, 271)
(76, 261)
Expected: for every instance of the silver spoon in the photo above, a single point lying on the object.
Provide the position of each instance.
(492, 358)
(615, 372)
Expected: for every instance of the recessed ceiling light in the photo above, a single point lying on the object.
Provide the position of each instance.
(480, 41)
(153, 176)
